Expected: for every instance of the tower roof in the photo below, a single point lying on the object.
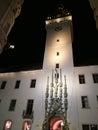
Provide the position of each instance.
(59, 12)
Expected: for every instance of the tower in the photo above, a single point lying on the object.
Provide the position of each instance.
(57, 67)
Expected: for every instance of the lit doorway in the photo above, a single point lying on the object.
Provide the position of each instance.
(56, 123)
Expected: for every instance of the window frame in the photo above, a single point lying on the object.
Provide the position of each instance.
(12, 105)
(90, 126)
(17, 84)
(81, 79)
(85, 102)
(33, 83)
(95, 77)
(3, 84)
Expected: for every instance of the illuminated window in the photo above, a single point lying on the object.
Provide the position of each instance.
(3, 84)
(33, 83)
(12, 105)
(27, 125)
(95, 78)
(89, 127)
(81, 79)
(85, 103)
(17, 84)
(57, 65)
(7, 125)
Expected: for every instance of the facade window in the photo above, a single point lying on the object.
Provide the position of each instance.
(82, 79)
(12, 105)
(17, 84)
(57, 65)
(57, 53)
(57, 40)
(7, 125)
(3, 84)
(29, 106)
(97, 99)
(33, 83)
(95, 78)
(27, 125)
(85, 103)
(89, 127)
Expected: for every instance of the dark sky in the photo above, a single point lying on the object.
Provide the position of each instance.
(28, 35)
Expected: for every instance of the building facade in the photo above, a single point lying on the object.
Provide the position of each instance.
(9, 11)
(57, 97)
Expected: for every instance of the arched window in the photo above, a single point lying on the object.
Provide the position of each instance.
(7, 125)
(27, 125)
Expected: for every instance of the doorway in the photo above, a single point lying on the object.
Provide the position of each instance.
(56, 123)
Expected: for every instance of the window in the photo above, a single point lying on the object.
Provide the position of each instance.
(57, 65)
(3, 84)
(85, 127)
(95, 78)
(85, 103)
(12, 105)
(97, 99)
(81, 79)
(89, 127)
(33, 83)
(27, 125)
(29, 107)
(57, 40)
(57, 53)
(17, 84)
(7, 125)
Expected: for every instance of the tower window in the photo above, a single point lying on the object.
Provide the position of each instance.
(81, 79)
(57, 53)
(57, 65)
(58, 40)
(95, 78)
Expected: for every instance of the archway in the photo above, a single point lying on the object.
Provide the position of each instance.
(56, 123)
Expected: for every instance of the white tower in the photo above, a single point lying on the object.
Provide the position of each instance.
(58, 67)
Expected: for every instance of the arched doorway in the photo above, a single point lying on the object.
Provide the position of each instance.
(56, 123)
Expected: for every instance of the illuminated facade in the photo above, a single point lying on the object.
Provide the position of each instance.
(10, 10)
(57, 97)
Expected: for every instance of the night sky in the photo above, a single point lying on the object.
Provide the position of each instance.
(29, 35)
